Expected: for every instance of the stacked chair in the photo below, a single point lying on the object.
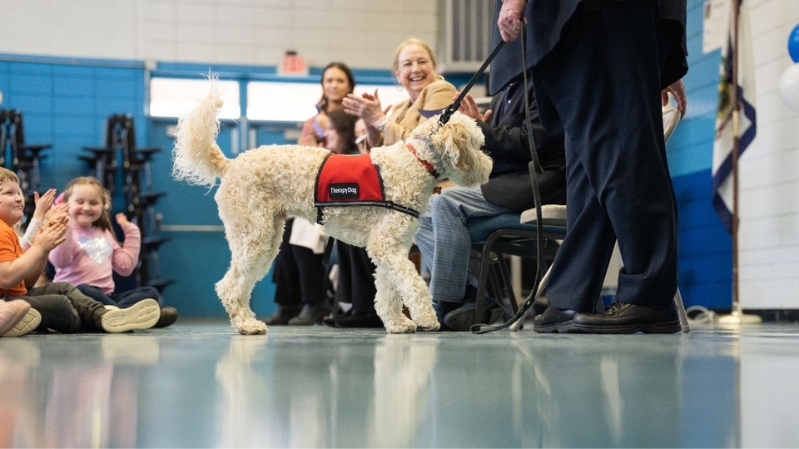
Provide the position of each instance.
(121, 160)
(19, 157)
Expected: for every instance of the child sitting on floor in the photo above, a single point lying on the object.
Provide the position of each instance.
(91, 254)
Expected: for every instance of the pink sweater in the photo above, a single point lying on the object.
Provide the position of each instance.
(91, 255)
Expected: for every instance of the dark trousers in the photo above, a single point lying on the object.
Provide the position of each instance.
(356, 277)
(64, 308)
(299, 274)
(123, 300)
(602, 85)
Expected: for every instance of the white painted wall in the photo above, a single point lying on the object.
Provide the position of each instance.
(362, 33)
(769, 171)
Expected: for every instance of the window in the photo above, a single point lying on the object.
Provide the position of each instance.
(281, 102)
(295, 102)
(174, 97)
(270, 101)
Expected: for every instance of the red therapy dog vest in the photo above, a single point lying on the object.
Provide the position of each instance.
(351, 180)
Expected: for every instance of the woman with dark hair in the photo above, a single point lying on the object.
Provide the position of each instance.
(299, 274)
(337, 81)
(356, 282)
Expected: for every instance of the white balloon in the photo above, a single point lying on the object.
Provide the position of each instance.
(789, 87)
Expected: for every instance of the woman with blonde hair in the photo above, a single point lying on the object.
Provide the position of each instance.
(414, 67)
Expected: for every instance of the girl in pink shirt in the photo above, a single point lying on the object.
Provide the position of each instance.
(91, 253)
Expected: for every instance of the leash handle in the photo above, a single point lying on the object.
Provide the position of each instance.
(457, 104)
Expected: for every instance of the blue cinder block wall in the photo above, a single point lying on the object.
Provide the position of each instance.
(66, 103)
(705, 246)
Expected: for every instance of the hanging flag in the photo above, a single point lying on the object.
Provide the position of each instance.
(723, 142)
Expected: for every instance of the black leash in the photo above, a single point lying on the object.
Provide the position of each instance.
(535, 170)
(457, 104)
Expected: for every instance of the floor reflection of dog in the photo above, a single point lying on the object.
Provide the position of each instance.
(261, 187)
(402, 390)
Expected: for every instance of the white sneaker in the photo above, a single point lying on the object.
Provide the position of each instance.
(26, 325)
(142, 315)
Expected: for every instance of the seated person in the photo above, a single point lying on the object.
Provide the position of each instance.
(90, 267)
(356, 283)
(444, 239)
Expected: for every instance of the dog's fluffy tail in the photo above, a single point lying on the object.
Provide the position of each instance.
(197, 158)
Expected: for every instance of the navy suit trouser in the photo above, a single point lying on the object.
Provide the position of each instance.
(601, 85)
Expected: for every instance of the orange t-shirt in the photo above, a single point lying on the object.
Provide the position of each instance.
(11, 250)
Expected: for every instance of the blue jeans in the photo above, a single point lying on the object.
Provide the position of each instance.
(123, 300)
(454, 221)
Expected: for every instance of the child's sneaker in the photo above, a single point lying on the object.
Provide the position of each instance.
(11, 312)
(142, 315)
(26, 325)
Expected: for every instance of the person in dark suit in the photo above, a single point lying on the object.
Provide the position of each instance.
(459, 213)
(600, 69)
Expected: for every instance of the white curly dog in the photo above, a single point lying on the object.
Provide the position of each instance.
(260, 188)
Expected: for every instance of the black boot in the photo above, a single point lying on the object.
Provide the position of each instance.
(311, 313)
(283, 314)
(168, 316)
(360, 320)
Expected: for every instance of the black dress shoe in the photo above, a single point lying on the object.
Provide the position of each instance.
(360, 320)
(554, 320)
(626, 318)
(331, 319)
(282, 315)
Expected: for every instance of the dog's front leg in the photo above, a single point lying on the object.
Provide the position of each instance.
(388, 304)
(406, 283)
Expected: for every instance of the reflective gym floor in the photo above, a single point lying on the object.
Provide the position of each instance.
(198, 384)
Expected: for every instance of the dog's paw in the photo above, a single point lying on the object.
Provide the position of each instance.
(405, 326)
(428, 323)
(251, 327)
(425, 318)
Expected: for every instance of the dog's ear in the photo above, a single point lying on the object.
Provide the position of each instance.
(460, 142)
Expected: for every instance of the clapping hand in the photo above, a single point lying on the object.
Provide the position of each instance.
(367, 107)
(51, 234)
(43, 204)
(469, 107)
(56, 212)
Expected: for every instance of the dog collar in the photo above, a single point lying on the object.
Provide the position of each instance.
(427, 165)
